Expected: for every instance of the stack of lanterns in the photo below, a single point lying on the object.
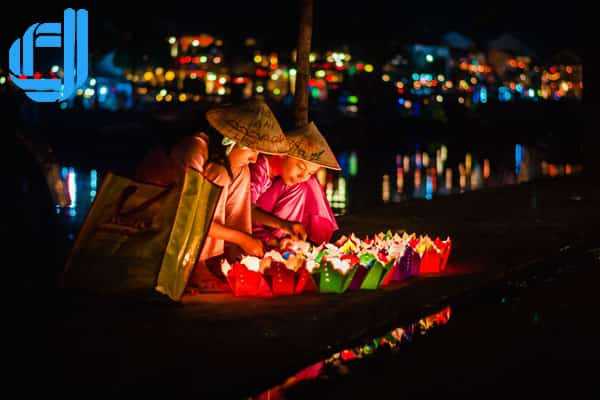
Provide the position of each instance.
(349, 264)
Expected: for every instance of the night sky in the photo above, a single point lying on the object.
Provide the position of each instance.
(374, 28)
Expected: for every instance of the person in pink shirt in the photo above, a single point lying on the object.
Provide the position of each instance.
(284, 188)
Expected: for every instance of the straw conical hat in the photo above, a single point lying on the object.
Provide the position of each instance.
(251, 124)
(308, 144)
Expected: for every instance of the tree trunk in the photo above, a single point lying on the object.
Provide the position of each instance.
(591, 103)
(303, 63)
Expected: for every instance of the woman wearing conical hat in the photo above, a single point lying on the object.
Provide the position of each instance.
(236, 136)
(285, 187)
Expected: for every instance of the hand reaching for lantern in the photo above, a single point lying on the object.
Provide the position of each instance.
(252, 246)
(295, 229)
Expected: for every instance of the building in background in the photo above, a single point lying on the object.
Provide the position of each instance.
(563, 79)
(421, 80)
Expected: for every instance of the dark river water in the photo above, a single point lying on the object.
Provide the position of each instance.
(534, 334)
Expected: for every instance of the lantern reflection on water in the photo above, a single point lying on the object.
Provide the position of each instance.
(338, 363)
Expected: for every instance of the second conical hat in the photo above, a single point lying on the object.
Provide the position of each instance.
(308, 144)
(251, 124)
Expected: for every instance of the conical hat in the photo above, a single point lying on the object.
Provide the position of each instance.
(251, 124)
(308, 144)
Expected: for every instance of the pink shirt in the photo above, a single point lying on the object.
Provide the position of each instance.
(234, 208)
(260, 178)
(304, 202)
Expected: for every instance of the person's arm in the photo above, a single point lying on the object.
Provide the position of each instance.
(264, 218)
(250, 245)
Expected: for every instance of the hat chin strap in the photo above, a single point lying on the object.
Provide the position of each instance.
(230, 144)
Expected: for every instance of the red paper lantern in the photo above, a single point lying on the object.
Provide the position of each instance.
(305, 283)
(445, 247)
(352, 258)
(432, 261)
(248, 283)
(281, 278)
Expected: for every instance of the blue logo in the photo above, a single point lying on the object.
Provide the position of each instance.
(72, 36)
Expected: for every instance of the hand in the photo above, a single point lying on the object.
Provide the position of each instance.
(252, 246)
(285, 243)
(296, 229)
